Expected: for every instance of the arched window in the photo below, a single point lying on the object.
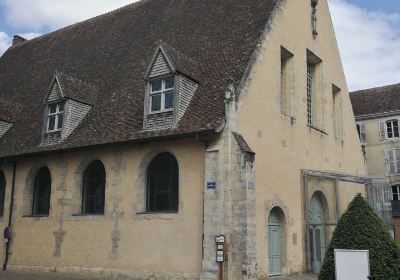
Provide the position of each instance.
(2, 192)
(94, 183)
(41, 192)
(163, 184)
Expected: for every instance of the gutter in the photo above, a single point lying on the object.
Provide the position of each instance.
(7, 253)
(54, 149)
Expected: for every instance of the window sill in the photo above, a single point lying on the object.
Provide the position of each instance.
(87, 214)
(317, 129)
(85, 217)
(156, 215)
(391, 139)
(292, 119)
(160, 112)
(35, 216)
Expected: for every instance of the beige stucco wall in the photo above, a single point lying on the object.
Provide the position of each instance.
(121, 238)
(284, 148)
(376, 149)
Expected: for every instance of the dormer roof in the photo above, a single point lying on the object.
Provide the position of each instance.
(174, 61)
(66, 86)
(377, 100)
(209, 41)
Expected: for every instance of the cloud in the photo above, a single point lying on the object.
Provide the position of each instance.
(5, 42)
(53, 14)
(369, 43)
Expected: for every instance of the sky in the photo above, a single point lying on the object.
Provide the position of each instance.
(367, 31)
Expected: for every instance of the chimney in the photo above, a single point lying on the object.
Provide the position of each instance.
(18, 40)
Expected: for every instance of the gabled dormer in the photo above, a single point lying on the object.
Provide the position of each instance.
(62, 113)
(169, 88)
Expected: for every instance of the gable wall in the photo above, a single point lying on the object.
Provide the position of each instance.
(283, 146)
(160, 66)
(55, 93)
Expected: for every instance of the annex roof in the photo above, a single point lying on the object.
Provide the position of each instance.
(376, 100)
(211, 41)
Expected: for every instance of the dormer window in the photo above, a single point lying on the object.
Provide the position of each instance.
(62, 109)
(169, 89)
(55, 117)
(162, 95)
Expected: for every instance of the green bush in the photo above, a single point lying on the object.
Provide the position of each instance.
(360, 228)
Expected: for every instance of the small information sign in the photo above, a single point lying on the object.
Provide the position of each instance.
(220, 256)
(6, 234)
(211, 185)
(220, 239)
(251, 185)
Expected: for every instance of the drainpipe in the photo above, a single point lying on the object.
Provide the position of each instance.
(10, 215)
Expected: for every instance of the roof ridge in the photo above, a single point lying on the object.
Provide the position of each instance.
(71, 26)
(374, 88)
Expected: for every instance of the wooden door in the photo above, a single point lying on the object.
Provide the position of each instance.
(274, 245)
(317, 234)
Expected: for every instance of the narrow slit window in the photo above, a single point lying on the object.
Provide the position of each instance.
(310, 70)
(315, 92)
(287, 81)
(337, 113)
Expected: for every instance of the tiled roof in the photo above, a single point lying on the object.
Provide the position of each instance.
(376, 100)
(210, 39)
(76, 89)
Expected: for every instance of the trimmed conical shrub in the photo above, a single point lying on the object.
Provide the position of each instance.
(360, 228)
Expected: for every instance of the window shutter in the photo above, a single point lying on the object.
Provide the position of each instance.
(363, 134)
(387, 193)
(392, 164)
(397, 160)
(382, 130)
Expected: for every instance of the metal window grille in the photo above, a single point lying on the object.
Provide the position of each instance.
(309, 92)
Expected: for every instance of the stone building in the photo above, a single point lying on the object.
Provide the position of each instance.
(131, 140)
(377, 113)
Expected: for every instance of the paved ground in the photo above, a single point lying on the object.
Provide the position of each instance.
(56, 276)
(42, 276)
(297, 277)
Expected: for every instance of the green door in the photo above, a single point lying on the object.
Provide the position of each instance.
(274, 245)
(317, 234)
